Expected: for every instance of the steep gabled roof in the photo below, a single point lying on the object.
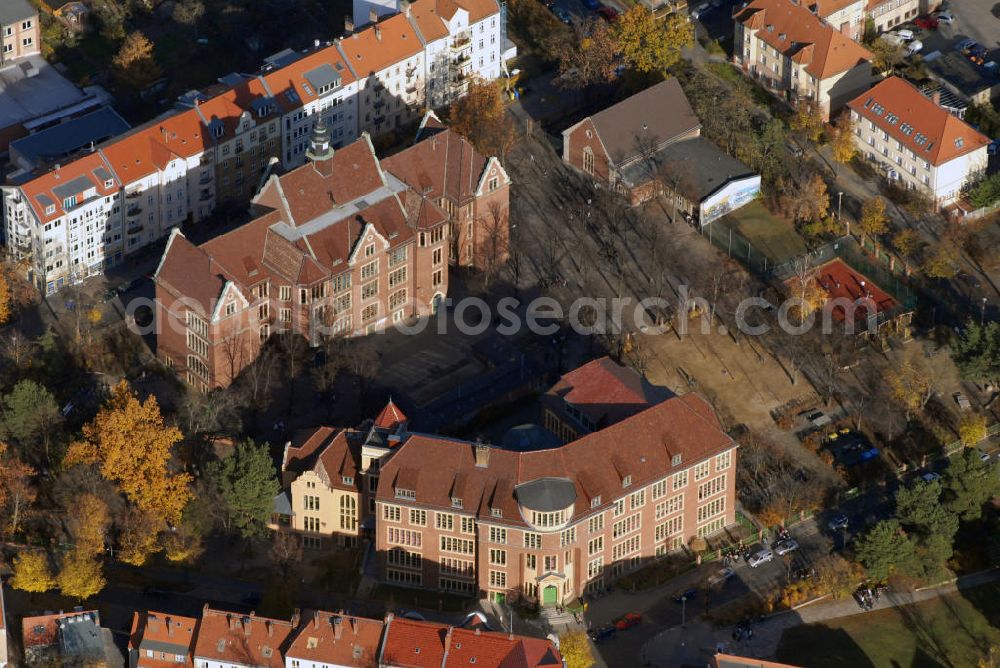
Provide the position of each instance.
(337, 639)
(794, 31)
(245, 640)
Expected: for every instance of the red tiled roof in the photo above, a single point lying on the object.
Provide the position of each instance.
(230, 637)
(945, 137)
(291, 78)
(43, 630)
(414, 644)
(824, 8)
(341, 640)
(841, 282)
(387, 43)
(89, 170)
(162, 633)
(331, 454)
(189, 271)
(432, 466)
(390, 417)
(604, 390)
(797, 33)
(443, 164)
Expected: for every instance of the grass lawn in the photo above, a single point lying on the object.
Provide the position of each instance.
(770, 236)
(951, 630)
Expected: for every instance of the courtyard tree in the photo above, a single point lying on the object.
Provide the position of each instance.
(804, 200)
(886, 54)
(481, 117)
(80, 576)
(589, 55)
(977, 351)
(16, 489)
(575, 649)
(134, 65)
(88, 519)
(808, 119)
(247, 485)
(30, 418)
(906, 242)
(911, 385)
(138, 539)
(873, 218)
(5, 310)
(843, 145)
(132, 447)
(969, 483)
(972, 429)
(886, 550)
(649, 44)
(32, 573)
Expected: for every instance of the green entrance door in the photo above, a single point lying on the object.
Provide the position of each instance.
(499, 597)
(550, 595)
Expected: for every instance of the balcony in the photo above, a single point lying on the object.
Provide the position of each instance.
(379, 104)
(135, 194)
(205, 179)
(133, 211)
(411, 89)
(135, 230)
(461, 43)
(205, 196)
(462, 60)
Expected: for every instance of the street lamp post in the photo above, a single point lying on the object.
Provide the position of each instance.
(684, 603)
(840, 202)
(982, 312)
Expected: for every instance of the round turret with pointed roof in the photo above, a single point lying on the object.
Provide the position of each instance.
(319, 143)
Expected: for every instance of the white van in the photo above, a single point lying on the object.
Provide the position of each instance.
(904, 34)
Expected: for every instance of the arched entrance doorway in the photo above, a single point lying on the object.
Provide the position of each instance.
(550, 595)
(437, 301)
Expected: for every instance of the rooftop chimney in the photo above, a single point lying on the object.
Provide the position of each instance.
(378, 33)
(270, 629)
(348, 25)
(936, 97)
(482, 452)
(373, 15)
(170, 628)
(232, 622)
(316, 622)
(296, 618)
(404, 7)
(338, 628)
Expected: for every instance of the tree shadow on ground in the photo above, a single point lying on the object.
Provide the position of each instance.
(800, 645)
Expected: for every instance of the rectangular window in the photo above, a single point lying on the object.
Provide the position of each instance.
(498, 579)
(595, 568)
(625, 526)
(672, 526)
(532, 541)
(369, 290)
(444, 521)
(597, 523)
(405, 559)
(285, 293)
(397, 256)
(551, 563)
(701, 471)
(498, 535)
(397, 536)
(637, 500)
(418, 517)
(468, 525)
(391, 513)
(457, 545)
(436, 278)
(436, 256)
(398, 277)
(567, 537)
(459, 567)
(397, 299)
(369, 312)
(369, 271)
(723, 461)
(680, 480)
(659, 489)
(625, 548)
(712, 487)
(595, 546)
(530, 562)
(498, 557)
(619, 508)
(711, 509)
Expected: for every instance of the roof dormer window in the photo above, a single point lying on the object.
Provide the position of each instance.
(405, 493)
(596, 501)
(50, 209)
(676, 460)
(626, 481)
(496, 512)
(456, 502)
(348, 480)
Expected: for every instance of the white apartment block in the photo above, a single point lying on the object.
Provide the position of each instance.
(887, 14)
(916, 142)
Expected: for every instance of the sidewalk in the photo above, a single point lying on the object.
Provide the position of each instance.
(694, 642)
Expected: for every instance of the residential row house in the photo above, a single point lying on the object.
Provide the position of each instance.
(850, 17)
(20, 31)
(341, 246)
(914, 141)
(321, 639)
(642, 474)
(219, 146)
(788, 49)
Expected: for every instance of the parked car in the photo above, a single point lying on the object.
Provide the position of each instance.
(609, 14)
(962, 401)
(783, 547)
(983, 456)
(761, 557)
(685, 596)
(926, 23)
(722, 576)
(914, 47)
(838, 522)
(930, 477)
(629, 620)
(602, 634)
(904, 34)
(945, 17)
(562, 15)
(592, 5)
(701, 11)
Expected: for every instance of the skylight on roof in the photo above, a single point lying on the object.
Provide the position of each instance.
(929, 144)
(878, 109)
(868, 102)
(959, 142)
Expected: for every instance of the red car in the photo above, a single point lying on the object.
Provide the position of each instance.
(609, 14)
(926, 23)
(628, 621)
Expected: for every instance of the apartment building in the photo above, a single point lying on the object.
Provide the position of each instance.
(161, 640)
(782, 44)
(68, 639)
(416, 644)
(339, 246)
(473, 189)
(846, 16)
(67, 224)
(916, 142)
(887, 14)
(234, 640)
(335, 640)
(315, 88)
(20, 31)
(549, 525)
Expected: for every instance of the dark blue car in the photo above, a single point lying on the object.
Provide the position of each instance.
(592, 5)
(602, 634)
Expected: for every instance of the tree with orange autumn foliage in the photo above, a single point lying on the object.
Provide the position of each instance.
(16, 489)
(131, 446)
(481, 117)
(88, 519)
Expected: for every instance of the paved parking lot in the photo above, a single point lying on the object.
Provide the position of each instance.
(977, 19)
